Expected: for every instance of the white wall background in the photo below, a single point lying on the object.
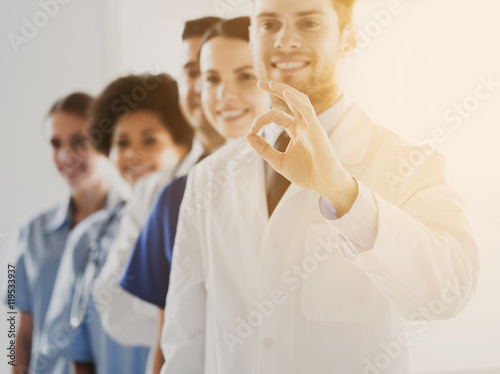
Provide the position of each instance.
(67, 54)
(428, 57)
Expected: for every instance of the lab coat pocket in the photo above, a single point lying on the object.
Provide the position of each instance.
(334, 290)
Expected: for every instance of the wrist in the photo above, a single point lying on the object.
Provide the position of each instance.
(342, 195)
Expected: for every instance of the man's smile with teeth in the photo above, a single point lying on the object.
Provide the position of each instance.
(289, 64)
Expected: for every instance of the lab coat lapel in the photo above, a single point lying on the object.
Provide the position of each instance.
(351, 137)
(252, 179)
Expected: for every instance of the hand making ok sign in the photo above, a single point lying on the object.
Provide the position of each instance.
(310, 160)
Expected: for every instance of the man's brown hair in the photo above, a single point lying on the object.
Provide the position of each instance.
(344, 9)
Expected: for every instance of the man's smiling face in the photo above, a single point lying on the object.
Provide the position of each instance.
(298, 43)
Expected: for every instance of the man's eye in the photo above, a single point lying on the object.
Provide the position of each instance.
(310, 24)
(150, 141)
(269, 26)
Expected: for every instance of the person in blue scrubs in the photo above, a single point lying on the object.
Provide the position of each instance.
(231, 101)
(137, 123)
(37, 250)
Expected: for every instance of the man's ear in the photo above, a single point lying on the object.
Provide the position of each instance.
(350, 37)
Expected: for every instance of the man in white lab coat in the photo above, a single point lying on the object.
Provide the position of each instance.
(316, 276)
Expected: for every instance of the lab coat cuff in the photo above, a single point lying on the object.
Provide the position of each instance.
(357, 228)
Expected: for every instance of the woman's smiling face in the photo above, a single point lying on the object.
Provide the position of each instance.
(229, 93)
(74, 157)
(141, 144)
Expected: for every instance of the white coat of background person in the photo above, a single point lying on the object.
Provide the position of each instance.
(126, 318)
(324, 284)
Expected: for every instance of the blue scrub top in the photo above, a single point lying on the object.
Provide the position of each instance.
(148, 271)
(89, 342)
(36, 254)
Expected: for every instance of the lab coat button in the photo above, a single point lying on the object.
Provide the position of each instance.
(268, 343)
(355, 226)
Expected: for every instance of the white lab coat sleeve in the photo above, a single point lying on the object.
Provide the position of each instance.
(424, 257)
(126, 318)
(362, 233)
(183, 335)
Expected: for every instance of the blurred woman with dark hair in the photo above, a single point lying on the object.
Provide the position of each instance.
(41, 242)
(137, 123)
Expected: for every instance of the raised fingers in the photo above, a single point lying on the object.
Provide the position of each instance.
(304, 109)
(265, 86)
(278, 89)
(264, 149)
(277, 116)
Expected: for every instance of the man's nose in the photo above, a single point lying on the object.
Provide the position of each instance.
(287, 39)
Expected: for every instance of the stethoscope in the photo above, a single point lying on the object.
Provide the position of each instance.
(87, 271)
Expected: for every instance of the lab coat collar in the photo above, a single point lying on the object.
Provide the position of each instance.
(331, 117)
(253, 178)
(345, 124)
(191, 158)
(62, 216)
(328, 119)
(351, 136)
